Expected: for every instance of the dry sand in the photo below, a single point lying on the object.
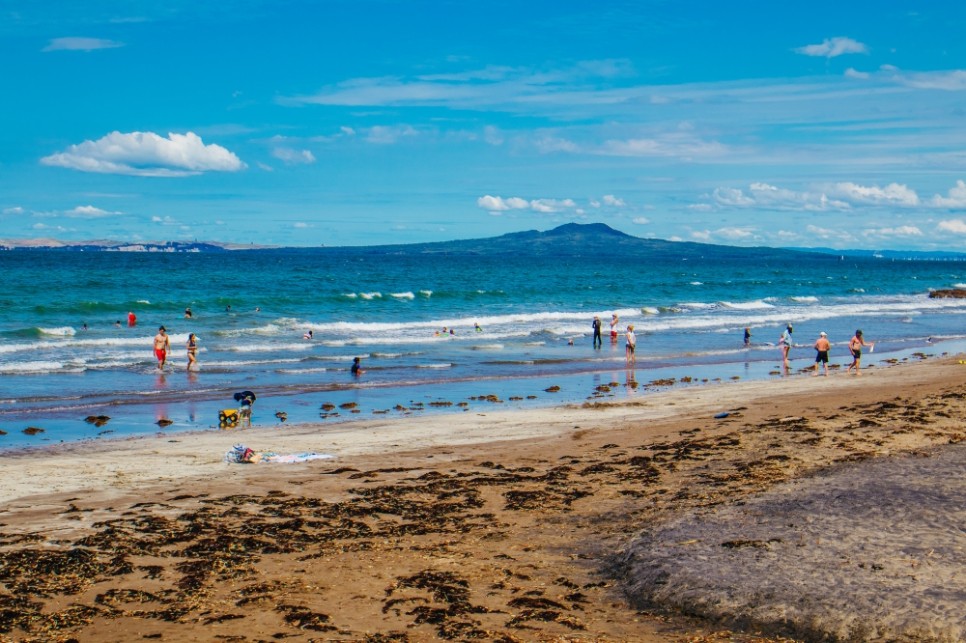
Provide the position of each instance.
(818, 509)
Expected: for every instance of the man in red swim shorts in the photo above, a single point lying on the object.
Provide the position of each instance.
(162, 344)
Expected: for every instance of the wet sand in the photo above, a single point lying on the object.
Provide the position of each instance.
(816, 509)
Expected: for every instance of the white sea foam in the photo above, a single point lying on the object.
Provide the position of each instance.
(426, 293)
(804, 299)
(268, 347)
(371, 295)
(402, 295)
(64, 331)
(22, 368)
(441, 365)
(747, 305)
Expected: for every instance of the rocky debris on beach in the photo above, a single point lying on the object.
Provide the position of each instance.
(33, 430)
(948, 293)
(163, 422)
(97, 420)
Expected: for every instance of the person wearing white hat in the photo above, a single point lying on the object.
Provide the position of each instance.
(822, 347)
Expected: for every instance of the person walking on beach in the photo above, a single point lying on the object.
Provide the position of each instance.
(855, 346)
(785, 344)
(162, 344)
(822, 347)
(598, 342)
(192, 347)
(630, 346)
(613, 328)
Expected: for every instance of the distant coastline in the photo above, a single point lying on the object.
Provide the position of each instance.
(571, 239)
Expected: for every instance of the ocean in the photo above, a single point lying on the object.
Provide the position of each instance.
(64, 357)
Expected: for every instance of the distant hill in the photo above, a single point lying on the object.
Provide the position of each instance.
(568, 240)
(575, 240)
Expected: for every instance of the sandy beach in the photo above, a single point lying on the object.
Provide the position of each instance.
(799, 508)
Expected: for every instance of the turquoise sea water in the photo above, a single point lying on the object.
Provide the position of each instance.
(689, 318)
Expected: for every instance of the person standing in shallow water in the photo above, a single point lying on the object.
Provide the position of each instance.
(822, 347)
(598, 342)
(630, 346)
(785, 344)
(162, 344)
(614, 321)
(192, 347)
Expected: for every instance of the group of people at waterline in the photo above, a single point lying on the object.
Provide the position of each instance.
(822, 347)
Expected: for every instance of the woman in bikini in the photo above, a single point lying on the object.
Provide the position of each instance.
(192, 350)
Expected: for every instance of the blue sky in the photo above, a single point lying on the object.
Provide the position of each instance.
(357, 122)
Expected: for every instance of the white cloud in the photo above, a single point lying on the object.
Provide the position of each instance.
(146, 154)
(640, 220)
(824, 233)
(900, 231)
(301, 224)
(892, 194)
(167, 220)
(89, 212)
(547, 206)
(550, 144)
(14, 210)
(955, 226)
(956, 197)
(610, 199)
(832, 47)
(543, 206)
(383, 135)
(854, 73)
(735, 233)
(81, 44)
(676, 145)
(732, 197)
(293, 157)
(492, 135)
(837, 196)
(945, 80)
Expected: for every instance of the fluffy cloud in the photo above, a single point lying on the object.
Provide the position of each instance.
(81, 44)
(293, 157)
(900, 231)
(955, 226)
(832, 47)
(836, 196)
(146, 154)
(956, 197)
(89, 212)
(640, 220)
(892, 194)
(383, 135)
(610, 199)
(543, 206)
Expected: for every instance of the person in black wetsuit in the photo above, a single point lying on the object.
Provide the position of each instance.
(597, 340)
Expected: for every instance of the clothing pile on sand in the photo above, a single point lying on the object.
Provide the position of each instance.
(240, 454)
